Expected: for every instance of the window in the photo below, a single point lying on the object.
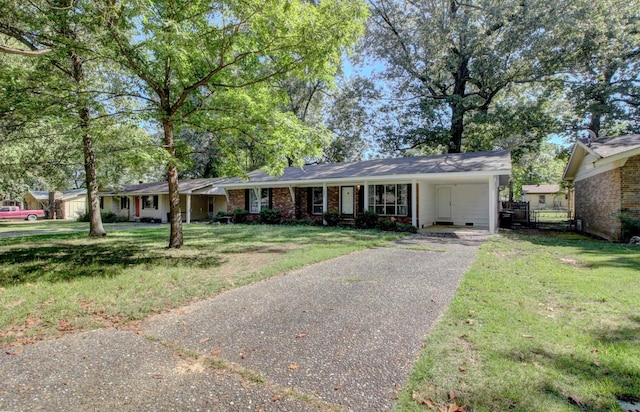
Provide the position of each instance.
(542, 199)
(124, 203)
(389, 200)
(5, 209)
(317, 201)
(256, 206)
(150, 202)
(101, 202)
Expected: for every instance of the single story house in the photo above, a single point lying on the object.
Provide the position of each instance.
(199, 200)
(606, 177)
(70, 204)
(452, 189)
(541, 197)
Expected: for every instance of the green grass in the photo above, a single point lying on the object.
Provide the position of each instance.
(539, 323)
(52, 226)
(52, 284)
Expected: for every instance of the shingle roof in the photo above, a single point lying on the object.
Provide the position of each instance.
(534, 189)
(66, 194)
(496, 161)
(606, 147)
(158, 188)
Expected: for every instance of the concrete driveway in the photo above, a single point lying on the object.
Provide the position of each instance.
(339, 335)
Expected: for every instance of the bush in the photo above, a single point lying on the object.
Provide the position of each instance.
(332, 218)
(107, 217)
(367, 220)
(221, 217)
(387, 225)
(402, 227)
(240, 215)
(270, 216)
(630, 225)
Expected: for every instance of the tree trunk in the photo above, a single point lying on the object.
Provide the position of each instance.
(90, 167)
(458, 108)
(594, 124)
(176, 238)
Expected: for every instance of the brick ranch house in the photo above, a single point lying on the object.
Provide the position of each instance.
(456, 189)
(606, 178)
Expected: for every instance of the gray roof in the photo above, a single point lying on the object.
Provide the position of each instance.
(66, 194)
(497, 162)
(159, 188)
(606, 147)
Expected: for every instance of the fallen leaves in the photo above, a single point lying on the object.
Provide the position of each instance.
(301, 335)
(446, 407)
(293, 367)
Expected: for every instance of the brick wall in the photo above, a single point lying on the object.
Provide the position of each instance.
(598, 201)
(281, 200)
(236, 199)
(630, 181)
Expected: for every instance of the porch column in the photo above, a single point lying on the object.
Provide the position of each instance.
(132, 208)
(325, 201)
(414, 204)
(188, 207)
(365, 205)
(493, 208)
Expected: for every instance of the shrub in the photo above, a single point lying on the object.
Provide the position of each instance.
(402, 227)
(367, 220)
(387, 225)
(270, 216)
(332, 218)
(240, 215)
(300, 222)
(107, 217)
(630, 225)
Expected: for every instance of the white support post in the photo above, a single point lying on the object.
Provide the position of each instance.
(293, 194)
(493, 205)
(414, 204)
(325, 202)
(226, 194)
(188, 208)
(365, 206)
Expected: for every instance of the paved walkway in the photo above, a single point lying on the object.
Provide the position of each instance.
(339, 335)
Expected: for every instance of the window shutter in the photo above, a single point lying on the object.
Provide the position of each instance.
(309, 200)
(409, 194)
(143, 200)
(246, 199)
(155, 202)
(270, 198)
(360, 199)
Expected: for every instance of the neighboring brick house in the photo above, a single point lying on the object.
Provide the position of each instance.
(606, 178)
(457, 189)
(542, 197)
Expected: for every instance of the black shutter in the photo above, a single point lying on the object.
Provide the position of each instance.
(360, 199)
(270, 198)
(155, 202)
(409, 201)
(246, 199)
(309, 200)
(143, 200)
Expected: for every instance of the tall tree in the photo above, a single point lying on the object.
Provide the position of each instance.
(601, 45)
(449, 59)
(60, 26)
(204, 60)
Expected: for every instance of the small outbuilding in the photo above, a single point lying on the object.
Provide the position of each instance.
(69, 204)
(544, 197)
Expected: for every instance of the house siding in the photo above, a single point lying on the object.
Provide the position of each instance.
(598, 201)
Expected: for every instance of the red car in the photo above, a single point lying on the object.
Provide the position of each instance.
(14, 212)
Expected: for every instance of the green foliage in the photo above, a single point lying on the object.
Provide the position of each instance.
(107, 217)
(405, 228)
(387, 225)
(367, 220)
(301, 222)
(270, 216)
(630, 225)
(240, 215)
(332, 217)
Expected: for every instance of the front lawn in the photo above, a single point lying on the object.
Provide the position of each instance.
(53, 284)
(539, 323)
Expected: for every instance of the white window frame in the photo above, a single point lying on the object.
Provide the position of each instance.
(382, 199)
(255, 206)
(317, 204)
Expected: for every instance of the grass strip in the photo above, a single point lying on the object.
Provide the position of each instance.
(538, 323)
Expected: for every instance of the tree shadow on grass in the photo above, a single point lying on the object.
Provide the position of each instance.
(67, 262)
(600, 253)
(593, 368)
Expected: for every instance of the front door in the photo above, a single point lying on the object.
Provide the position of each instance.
(137, 206)
(444, 203)
(346, 200)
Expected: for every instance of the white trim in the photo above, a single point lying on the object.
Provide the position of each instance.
(493, 205)
(596, 170)
(292, 191)
(365, 205)
(414, 204)
(188, 207)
